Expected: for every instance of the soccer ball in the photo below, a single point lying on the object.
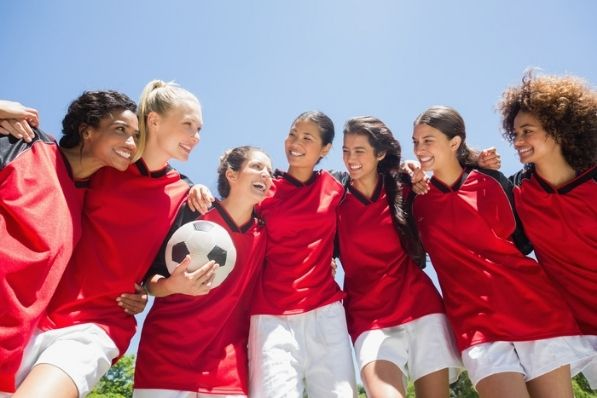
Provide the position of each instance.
(203, 241)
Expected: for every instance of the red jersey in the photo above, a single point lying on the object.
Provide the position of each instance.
(561, 223)
(300, 220)
(40, 223)
(383, 285)
(492, 292)
(200, 343)
(127, 215)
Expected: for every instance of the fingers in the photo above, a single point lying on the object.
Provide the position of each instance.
(133, 303)
(200, 198)
(19, 129)
(420, 182)
(490, 159)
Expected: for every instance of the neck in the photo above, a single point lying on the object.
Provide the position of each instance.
(366, 185)
(83, 165)
(238, 208)
(556, 171)
(303, 174)
(154, 158)
(450, 173)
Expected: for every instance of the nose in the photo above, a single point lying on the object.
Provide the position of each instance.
(130, 142)
(517, 139)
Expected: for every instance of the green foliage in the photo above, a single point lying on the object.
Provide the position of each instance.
(118, 382)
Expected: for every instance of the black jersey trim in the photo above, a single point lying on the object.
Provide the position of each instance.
(581, 178)
(294, 181)
(11, 147)
(362, 198)
(144, 170)
(231, 224)
(456, 186)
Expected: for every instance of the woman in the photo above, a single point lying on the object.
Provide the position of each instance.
(395, 315)
(516, 334)
(197, 346)
(40, 222)
(298, 338)
(552, 123)
(127, 216)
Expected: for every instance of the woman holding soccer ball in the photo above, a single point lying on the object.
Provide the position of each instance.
(126, 217)
(197, 346)
(43, 189)
(395, 315)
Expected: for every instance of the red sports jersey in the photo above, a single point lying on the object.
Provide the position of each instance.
(200, 343)
(383, 285)
(127, 215)
(492, 292)
(40, 223)
(300, 220)
(562, 226)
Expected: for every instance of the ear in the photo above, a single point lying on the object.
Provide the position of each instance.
(153, 119)
(84, 131)
(455, 143)
(231, 175)
(325, 150)
(381, 155)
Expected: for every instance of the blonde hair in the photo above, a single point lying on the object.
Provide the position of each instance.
(160, 97)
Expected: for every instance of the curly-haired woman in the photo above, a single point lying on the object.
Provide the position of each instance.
(552, 123)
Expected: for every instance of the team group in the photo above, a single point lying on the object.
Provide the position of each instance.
(84, 223)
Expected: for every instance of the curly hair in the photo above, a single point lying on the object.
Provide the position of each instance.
(566, 106)
(90, 108)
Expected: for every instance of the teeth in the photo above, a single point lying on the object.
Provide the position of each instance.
(524, 150)
(259, 186)
(425, 159)
(124, 154)
(293, 153)
(355, 167)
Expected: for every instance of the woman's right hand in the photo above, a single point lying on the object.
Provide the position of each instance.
(194, 283)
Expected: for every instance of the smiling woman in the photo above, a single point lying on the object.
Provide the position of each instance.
(43, 188)
(127, 215)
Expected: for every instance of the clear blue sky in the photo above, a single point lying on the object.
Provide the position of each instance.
(255, 65)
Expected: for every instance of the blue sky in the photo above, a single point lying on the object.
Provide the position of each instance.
(255, 65)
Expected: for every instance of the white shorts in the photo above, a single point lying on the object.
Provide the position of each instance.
(159, 393)
(84, 352)
(530, 358)
(312, 350)
(418, 348)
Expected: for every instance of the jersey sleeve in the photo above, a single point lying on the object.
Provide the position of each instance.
(518, 237)
(158, 267)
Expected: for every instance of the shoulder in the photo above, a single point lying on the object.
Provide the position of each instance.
(11, 148)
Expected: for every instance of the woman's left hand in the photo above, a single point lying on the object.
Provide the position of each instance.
(133, 303)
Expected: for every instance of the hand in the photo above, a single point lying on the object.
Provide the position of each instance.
(18, 128)
(133, 303)
(420, 182)
(200, 198)
(489, 159)
(193, 283)
(409, 166)
(14, 110)
(334, 267)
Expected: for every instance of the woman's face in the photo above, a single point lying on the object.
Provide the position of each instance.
(433, 148)
(359, 157)
(304, 146)
(531, 141)
(112, 143)
(177, 132)
(254, 179)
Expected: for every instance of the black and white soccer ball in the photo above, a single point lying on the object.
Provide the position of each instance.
(203, 241)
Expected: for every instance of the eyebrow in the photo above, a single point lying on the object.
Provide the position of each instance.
(425, 136)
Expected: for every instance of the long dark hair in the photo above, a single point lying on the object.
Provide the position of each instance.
(382, 140)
